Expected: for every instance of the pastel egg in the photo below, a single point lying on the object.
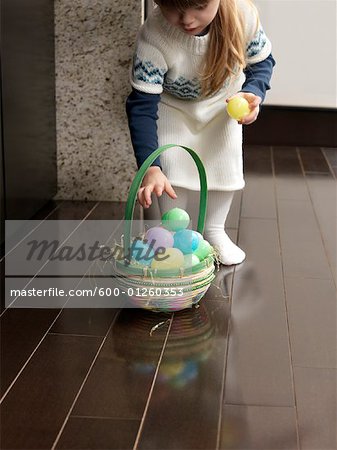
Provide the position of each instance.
(171, 258)
(141, 252)
(238, 107)
(186, 240)
(159, 237)
(203, 250)
(175, 219)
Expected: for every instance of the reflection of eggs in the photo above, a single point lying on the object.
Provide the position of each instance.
(172, 369)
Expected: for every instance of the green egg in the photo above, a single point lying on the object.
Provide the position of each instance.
(203, 250)
(175, 219)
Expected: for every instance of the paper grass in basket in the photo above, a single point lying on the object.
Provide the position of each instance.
(170, 267)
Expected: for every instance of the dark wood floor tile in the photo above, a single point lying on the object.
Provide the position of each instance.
(35, 408)
(258, 363)
(108, 211)
(316, 407)
(119, 383)
(289, 179)
(185, 404)
(84, 321)
(258, 428)
(21, 331)
(312, 321)
(302, 248)
(259, 198)
(286, 161)
(85, 433)
(313, 160)
(112, 211)
(257, 160)
(72, 210)
(48, 209)
(323, 194)
(258, 195)
(290, 187)
(331, 155)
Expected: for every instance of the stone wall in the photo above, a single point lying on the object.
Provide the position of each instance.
(94, 45)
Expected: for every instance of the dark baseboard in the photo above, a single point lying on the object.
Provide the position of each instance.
(293, 126)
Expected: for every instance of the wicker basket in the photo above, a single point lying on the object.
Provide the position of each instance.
(164, 290)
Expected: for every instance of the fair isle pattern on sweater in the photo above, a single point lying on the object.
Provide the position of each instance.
(147, 72)
(256, 45)
(183, 88)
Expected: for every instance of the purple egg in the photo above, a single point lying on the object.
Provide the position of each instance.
(159, 237)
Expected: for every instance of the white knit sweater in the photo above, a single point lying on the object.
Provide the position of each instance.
(167, 62)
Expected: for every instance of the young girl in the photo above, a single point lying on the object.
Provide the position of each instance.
(191, 57)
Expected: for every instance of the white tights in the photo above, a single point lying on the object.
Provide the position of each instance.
(218, 206)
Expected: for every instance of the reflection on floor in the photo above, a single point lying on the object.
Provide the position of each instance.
(254, 367)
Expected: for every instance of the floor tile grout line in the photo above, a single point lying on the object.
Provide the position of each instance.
(224, 374)
(83, 382)
(285, 300)
(77, 335)
(258, 218)
(317, 220)
(141, 426)
(37, 226)
(78, 416)
(260, 405)
(81, 222)
(328, 162)
(314, 368)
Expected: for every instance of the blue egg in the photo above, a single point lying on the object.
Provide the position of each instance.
(186, 240)
(142, 252)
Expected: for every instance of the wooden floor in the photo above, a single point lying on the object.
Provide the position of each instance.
(254, 367)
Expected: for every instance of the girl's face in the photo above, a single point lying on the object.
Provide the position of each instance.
(192, 20)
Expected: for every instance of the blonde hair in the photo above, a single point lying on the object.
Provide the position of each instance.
(227, 42)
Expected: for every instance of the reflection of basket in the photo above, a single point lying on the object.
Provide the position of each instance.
(188, 347)
(190, 336)
(164, 290)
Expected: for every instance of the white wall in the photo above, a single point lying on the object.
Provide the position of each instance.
(303, 35)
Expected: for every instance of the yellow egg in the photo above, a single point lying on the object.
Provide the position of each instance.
(172, 258)
(238, 107)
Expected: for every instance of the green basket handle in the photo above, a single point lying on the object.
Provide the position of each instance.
(131, 201)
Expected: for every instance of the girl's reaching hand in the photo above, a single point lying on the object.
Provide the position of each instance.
(154, 181)
(254, 106)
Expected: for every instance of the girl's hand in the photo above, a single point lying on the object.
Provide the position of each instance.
(154, 181)
(254, 106)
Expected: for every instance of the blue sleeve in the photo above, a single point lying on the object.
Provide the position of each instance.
(258, 77)
(142, 109)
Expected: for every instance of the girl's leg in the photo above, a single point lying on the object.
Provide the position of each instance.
(219, 203)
